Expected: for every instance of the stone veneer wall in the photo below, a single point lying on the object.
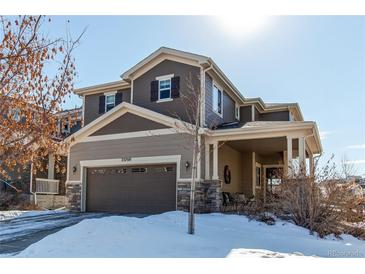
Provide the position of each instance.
(208, 196)
(73, 194)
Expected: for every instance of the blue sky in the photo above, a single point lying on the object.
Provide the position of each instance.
(317, 61)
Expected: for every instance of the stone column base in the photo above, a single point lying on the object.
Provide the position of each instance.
(73, 194)
(208, 196)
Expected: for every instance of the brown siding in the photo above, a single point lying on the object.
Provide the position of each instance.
(274, 116)
(174, 108)
(92, 105)
(128, 123)
(257, 114)
(245, 114)
(177, 144)
(211, 118)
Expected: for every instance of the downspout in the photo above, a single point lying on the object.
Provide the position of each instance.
(202, 114)
(202, 119)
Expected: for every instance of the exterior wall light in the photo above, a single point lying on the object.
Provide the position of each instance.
(187, 164)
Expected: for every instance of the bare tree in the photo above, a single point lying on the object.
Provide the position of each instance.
(192, 101)
(347, 168)
(36, 76)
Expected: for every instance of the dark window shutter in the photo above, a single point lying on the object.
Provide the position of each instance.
(175, 87)
(101, 104)
(118, 98)
(154, 91)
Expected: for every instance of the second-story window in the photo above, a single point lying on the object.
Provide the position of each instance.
(217, 100)
(164, 89)
(109, 102)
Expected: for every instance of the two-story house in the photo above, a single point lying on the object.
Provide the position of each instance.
(132, 156)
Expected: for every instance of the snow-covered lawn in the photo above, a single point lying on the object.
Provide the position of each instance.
(11, 214)
(165, 235)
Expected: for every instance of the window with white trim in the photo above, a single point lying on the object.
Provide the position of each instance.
(237, 112)
(217, 100)
(109, 101)
(164, 89)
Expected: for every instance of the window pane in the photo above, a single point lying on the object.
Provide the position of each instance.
(109, 102)
(109, 107)
(110, 99)
(217, 100)
(165, 89)
(164, 94)
(165, 84)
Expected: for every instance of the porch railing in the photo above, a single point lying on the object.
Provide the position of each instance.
(46, 186)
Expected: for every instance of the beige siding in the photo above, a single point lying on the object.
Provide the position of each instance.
(247, 173)
(232, 158)
(176, 144)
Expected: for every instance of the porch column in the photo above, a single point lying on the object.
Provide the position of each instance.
(301, 148)
(50, 166)
(285, 162)
(289, 155)
(199, 162)
(253, 164)
(215, 161)
(311, 165)
(207, 161)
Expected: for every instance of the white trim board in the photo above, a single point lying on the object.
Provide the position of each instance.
(117, 112)
(129, 135)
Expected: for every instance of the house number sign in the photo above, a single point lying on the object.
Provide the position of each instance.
(126, 159)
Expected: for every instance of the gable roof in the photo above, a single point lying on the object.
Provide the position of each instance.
(199, 59)
(120, 110)
(202, 61)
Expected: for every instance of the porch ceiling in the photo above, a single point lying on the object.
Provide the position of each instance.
(262, 146)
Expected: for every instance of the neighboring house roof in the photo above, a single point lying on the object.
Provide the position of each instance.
(66, 112)
(121, 109)
(207, 63)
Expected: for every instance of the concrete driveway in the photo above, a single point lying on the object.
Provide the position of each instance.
(18, 233)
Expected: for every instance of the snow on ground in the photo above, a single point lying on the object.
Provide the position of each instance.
(30, 222)
(11, 214)
(262, 253)
(165, 235)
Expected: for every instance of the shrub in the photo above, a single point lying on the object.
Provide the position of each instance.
(12, 200)
(323, 204)
(257, 211)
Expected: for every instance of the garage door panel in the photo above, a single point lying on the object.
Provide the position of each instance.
(137, 189)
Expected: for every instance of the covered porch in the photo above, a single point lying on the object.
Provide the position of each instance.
(251, 161)
(47, 182)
